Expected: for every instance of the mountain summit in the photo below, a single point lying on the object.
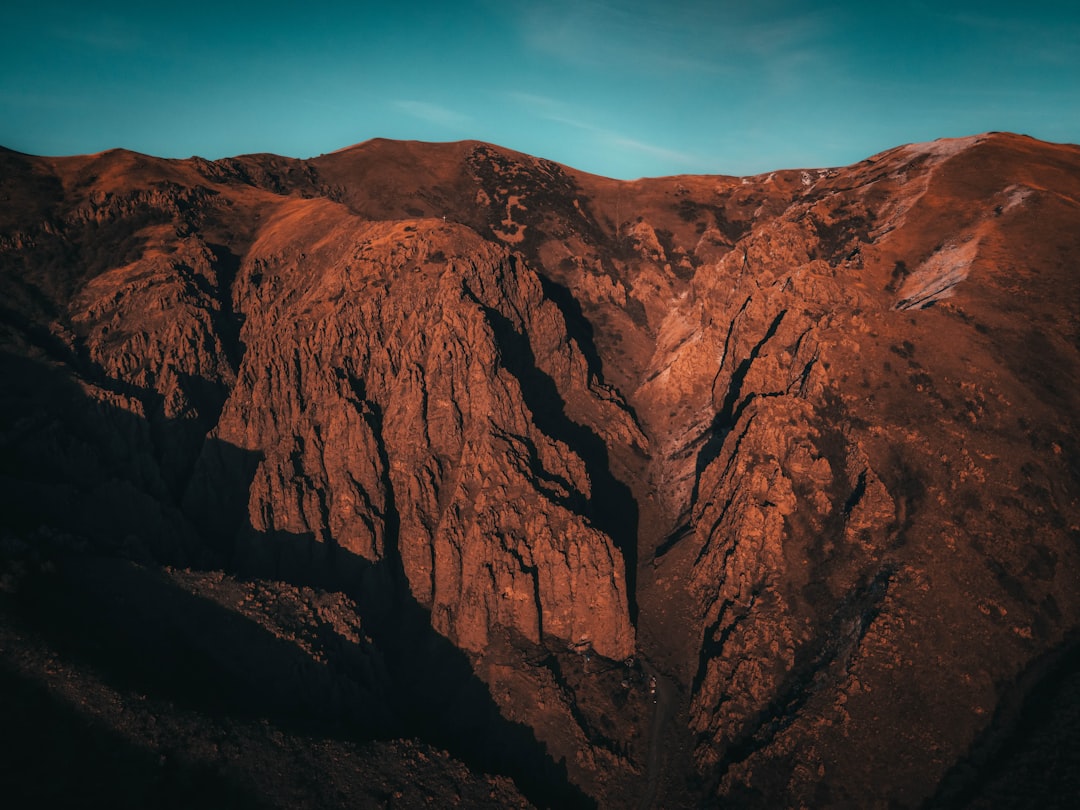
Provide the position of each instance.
(433, 473)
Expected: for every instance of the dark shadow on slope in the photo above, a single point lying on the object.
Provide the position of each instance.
(435, 694)
(80, 467)
(577, 325)
(166, 449)
(612, 508)
(143, 633)
(1029, 755)
(77, 492)
(681, 532)
(732, 407)
(53, 756)
(580, 329)
(227, 322)
(835, 641)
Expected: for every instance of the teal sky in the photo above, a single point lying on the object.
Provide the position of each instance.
(616, 87)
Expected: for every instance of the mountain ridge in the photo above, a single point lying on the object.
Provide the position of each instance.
(774, 443)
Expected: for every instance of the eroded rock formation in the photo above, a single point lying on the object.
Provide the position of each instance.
(759, 490)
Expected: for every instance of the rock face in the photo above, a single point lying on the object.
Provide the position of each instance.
(760, 490)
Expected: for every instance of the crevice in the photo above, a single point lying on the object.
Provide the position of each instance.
(712, 645)
(372, 415)
(595, 738)
(573, 500)
(682, 531)
(837, 641)
(731, 498)
(227, 321)
(804, 376)
(578, 326)
(533, 573)
(728, 336)
(716, 525)
(926, 300)
(611, 508)
(856, 494)
(727, 416)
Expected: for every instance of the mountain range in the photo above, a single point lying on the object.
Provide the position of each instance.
(429, 474)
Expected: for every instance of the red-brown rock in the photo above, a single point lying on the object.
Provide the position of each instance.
(802, 446)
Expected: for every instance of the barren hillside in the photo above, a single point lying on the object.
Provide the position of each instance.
(437, 473)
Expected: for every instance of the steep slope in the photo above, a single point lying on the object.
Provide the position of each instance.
(878, 530)
(794, 454)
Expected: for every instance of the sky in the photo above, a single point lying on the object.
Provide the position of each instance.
(621, 88)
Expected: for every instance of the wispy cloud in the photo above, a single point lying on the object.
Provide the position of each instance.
(433, 113)
(108, 34)
(630, 36)
(719, 52)
(671, 155)
(772, 38)
(535, 102)
(650, 39)
(1053, 43)
(553, 110)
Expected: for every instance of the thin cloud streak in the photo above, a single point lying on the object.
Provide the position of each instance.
(109, 35)
(551, 109)
(699, 40)
(555, 111)
(1026, 38)
(598, 35)
(433, 113)
(655, 151)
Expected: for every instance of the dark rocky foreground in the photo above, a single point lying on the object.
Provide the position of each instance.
(422, 474)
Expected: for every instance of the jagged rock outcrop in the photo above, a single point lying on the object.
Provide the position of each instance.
(837, 497)
(802, 447)
(431, 424)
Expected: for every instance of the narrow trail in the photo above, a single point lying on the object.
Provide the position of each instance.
(663, 711)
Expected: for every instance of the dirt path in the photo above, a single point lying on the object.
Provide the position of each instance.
(663, 711)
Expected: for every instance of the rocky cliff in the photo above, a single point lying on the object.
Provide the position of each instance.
(666, 492)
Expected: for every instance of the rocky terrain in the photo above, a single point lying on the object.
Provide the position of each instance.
(437, 474)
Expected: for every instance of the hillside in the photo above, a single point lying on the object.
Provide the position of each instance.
(441, 473)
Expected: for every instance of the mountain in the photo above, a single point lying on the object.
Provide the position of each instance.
(439, 473)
